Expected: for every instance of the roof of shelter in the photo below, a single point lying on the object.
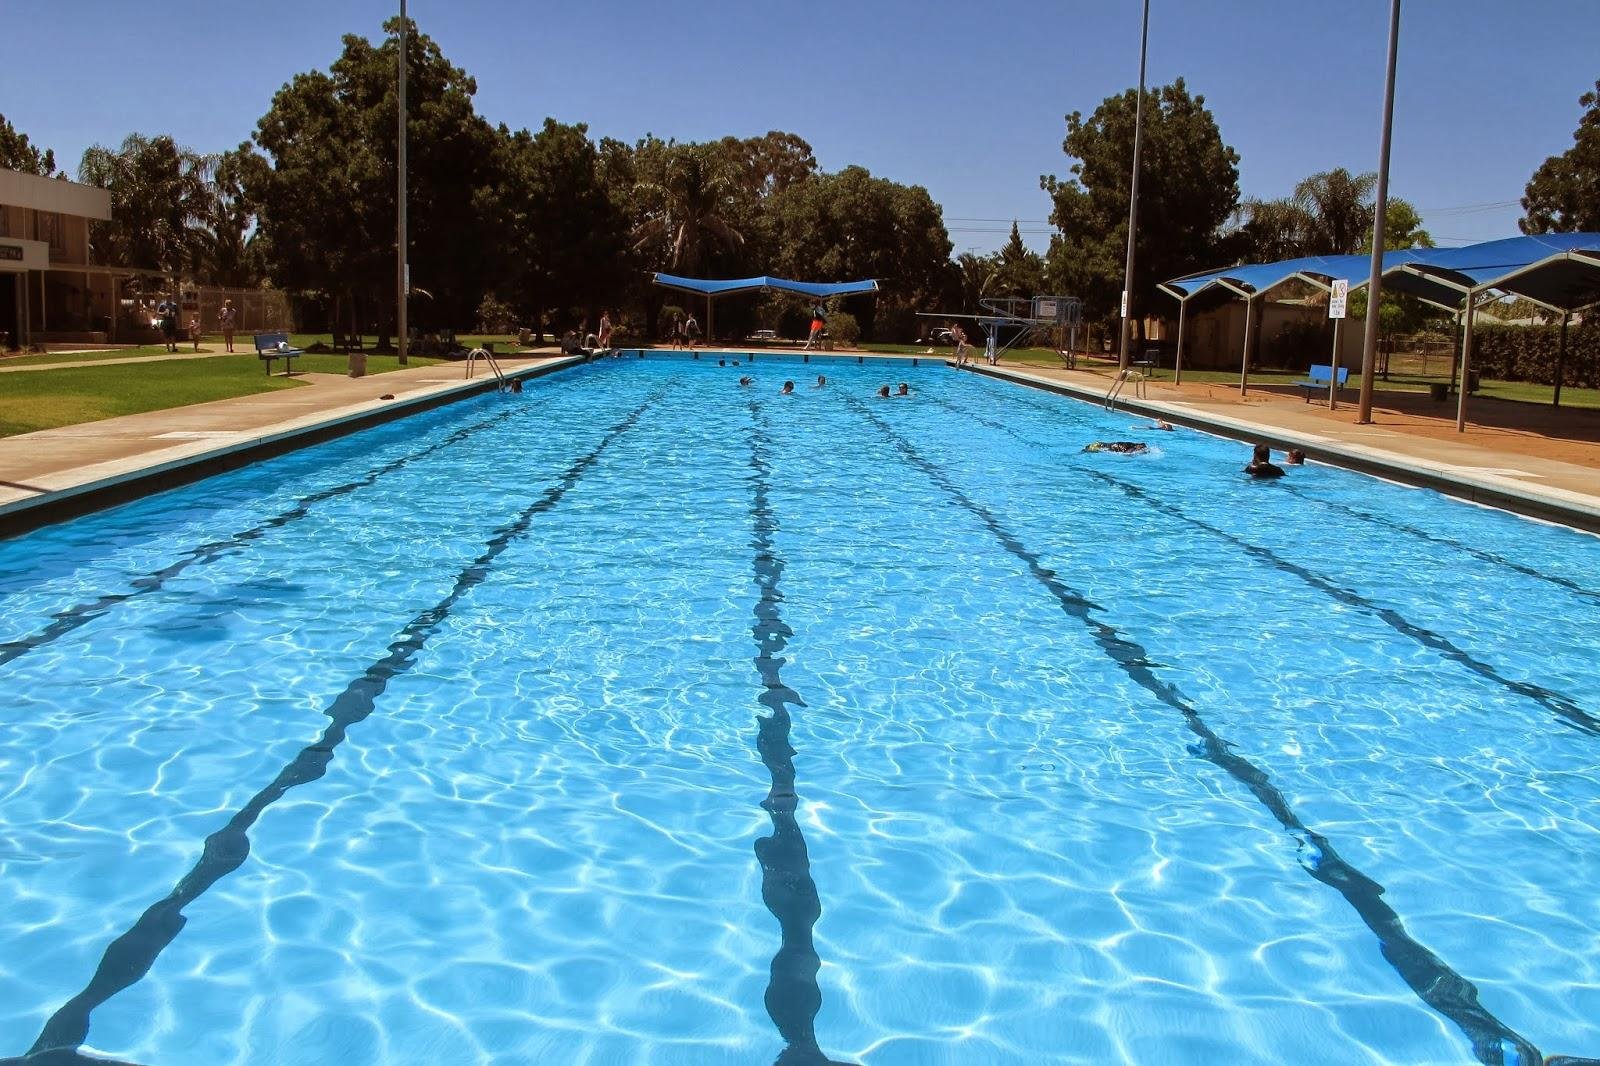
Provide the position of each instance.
(814, 289)
(1560, 270)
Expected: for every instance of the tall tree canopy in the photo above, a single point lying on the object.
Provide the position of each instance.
(18, 153)
(1563, 196)
(327, 201)
(1188, 189)
(162, 202)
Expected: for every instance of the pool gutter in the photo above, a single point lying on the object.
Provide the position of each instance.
(1548, 504)
(132, 478)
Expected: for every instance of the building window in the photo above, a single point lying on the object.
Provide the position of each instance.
(52, 232)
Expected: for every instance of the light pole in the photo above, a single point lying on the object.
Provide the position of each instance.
(1380, 209)
(1133, 193)
(402, 268)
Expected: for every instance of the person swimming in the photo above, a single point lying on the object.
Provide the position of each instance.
(883, 392)
(746, 380)
(722, 362)
(1121, 447)
(788, 389)
(1163, 425)
(821, 381)
(1296, 457)
(905, 390)
(1261, 465)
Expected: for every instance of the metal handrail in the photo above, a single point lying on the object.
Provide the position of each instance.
(499, 375)
(1122, 379)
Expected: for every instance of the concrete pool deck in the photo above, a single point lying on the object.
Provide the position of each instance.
(54, 473)
(1479, 468)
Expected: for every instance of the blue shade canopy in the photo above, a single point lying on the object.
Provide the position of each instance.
(817, 290)
(1561, 270)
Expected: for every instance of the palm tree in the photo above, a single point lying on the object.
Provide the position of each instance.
(683, 219)
(1274, 230)
(1338, 205)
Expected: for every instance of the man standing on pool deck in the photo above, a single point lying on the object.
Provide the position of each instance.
(691, 330)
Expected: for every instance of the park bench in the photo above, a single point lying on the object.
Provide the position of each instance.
(1320, 378)
(268, 348)
(347, 343)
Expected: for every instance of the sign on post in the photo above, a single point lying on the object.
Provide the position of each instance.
(1338, 299)
(1124, 303)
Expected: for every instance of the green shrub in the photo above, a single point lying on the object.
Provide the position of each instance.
(1528, 353)
(843, 329)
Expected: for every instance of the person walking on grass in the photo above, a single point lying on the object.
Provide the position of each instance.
(227, 318)
(167, 317)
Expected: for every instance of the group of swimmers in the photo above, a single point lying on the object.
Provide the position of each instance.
(1260, 466)
(788, 386)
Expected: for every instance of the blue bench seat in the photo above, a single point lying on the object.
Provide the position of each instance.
(267, 349)
(1320, 377)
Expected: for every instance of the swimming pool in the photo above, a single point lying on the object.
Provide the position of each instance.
(644, 718)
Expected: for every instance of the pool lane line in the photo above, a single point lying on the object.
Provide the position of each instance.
(82, 614)
(129, 957)
(1388, 523)
(1565, 709)
(793, 996)
(1429, 976)
(1449, 542)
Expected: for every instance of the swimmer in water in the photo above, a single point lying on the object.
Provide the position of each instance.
(883, 392)
(821, 381)
(1296, 457)
(1121, 447)
(905, 390)
(1163, 425)
(1261, 465)
(745, 380)
(788, 389)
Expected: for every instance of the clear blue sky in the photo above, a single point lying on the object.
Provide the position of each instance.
(966, 99)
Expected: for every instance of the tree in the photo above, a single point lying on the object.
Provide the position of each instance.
(327, 200)
(1563, 196)
(1018, 271)
(1272, 230)
(1337, 206)
(229, 256)
(16, 153)
(851, 225)
(564, 233)
(1189, 187)
(1402, 228)
(161, 203)
(684, 223)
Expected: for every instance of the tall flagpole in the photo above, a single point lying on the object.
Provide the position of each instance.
(403, 268)
(1380, 214)
(1133, 193)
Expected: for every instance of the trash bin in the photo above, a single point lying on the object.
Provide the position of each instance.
(1472, 381)
(1438, 391)
(358, 364)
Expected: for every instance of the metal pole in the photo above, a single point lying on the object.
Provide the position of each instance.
(1333, 380)
(402, 266)
(1466, 366)
(1380, 210)
(1561, 357)
(1133, 193)
(1455, 354)
(1177, 359)
(1244, 362)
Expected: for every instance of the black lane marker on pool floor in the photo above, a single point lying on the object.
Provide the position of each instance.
(1566, 711)
(130, 956)
(83, 613)
(1434, 982)
(793, 996)
(1448, 542)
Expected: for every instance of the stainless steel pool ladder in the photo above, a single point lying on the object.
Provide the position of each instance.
(500, 382)
(1123, 377)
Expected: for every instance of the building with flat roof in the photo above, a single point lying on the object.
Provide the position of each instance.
(49, 288)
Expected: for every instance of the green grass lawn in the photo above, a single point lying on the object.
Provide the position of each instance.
(48, 398)
(243, 344)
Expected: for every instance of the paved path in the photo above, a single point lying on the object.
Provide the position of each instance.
(161, 358)
(66, 461)
(1477, 464)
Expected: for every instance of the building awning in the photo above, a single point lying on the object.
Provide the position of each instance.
(816, 290)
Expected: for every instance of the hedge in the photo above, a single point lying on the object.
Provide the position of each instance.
(1528, 353)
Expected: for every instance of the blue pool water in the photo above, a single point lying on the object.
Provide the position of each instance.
(644, 719)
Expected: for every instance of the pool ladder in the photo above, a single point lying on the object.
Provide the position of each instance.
(1123, 377)
(501, 383)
